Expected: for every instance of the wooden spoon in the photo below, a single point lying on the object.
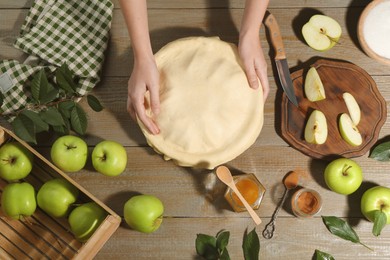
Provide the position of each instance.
(226, 177)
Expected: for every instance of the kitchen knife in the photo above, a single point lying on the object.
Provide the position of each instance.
(280, 57)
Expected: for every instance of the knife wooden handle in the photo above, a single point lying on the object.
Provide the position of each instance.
(276, 37)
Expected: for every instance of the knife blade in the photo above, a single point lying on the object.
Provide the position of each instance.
(280, 57)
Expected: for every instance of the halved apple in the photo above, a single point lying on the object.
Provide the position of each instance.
(321, 32)
(348, 130)
(314, 89)
(316, 130)
(353, 107)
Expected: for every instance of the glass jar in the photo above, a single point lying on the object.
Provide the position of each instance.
(306, 202)
(250, 188)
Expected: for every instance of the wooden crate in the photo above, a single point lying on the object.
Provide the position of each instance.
(42, 236)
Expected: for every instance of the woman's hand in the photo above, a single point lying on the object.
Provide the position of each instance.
(145, 77)
(254, 63)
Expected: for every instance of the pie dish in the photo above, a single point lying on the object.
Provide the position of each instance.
(208, 113)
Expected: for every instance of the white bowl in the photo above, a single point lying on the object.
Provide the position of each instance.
(363, 42)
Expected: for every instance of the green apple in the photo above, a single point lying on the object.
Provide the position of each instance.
(343, 176)
(353, 107)
(85, 219)
(376, 198)
(18, 200)
(144, 213)
(316, 129)
(69, 153)
(314, 89)
(16, 161)
(348, 130)
(321, 32)
(109, 158)
(56, 196)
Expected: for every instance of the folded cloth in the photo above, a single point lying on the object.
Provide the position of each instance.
(59, 31)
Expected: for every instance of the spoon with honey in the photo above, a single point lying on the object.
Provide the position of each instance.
(290, 182)
(226, 177)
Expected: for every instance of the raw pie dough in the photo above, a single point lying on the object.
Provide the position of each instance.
(209, 114)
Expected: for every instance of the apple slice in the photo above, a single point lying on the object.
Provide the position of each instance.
(349, 132)
(353, 107)
(316, 130)
(321, 32)
(314, 89)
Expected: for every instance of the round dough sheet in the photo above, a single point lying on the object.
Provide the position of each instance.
(209, 114)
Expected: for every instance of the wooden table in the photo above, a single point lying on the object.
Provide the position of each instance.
(193, 198)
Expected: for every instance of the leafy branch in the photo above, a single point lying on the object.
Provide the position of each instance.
(53, 105)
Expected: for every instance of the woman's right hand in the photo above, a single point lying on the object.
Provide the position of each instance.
(145, 77)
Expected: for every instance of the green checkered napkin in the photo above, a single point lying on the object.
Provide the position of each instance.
(75, 32)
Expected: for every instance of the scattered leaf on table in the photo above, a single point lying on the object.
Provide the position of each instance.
(251, 245)
(94, 103)
(380, 220)
(381, 152)
(319, 255)
(342, 229)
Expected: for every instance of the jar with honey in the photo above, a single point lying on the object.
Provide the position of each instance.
(250, 188)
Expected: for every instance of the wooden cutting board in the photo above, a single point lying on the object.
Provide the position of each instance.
(337, 78)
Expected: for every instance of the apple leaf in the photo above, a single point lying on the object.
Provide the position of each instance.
(222, 240)
(342, 229)
(319, 255)
(66, 108)
(94, 103)
(206, 246)
(251, 245)
(52, 116)
(78, 120)
(64, 78)
(40, 125)
(24, 128)
(381, 152)
(39, 85)
(380, 220)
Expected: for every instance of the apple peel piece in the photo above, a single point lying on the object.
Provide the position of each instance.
(316, 130)
(314, 89)
(353, 107)
(348, 130)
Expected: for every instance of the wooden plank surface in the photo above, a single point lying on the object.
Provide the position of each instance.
(193, 198)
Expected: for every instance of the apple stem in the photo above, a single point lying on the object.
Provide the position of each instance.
(345, 169)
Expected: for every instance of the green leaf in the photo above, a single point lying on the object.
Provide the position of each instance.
(380, 220)
(319, 255)
(222, 240)
(66, 108)
(94, 103)
(24, 128)
(342, 229)
(39, 85)
(78, 120)
(251, 245)
(52, 116)
(40, 125)
(50, 95)
(64, 78)
(381, 152)
(204, 244)
(225, 255)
